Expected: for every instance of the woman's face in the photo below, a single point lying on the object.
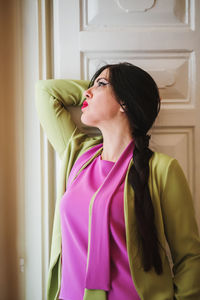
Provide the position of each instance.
(102, 104)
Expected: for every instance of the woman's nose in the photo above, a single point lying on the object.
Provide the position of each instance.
(88, 93)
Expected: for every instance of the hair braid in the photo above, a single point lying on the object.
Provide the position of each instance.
(147, 232)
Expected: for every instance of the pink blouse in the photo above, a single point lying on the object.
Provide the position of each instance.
(74, 210)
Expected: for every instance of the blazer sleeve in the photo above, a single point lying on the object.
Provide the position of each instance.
(53, 97)
(182, 233)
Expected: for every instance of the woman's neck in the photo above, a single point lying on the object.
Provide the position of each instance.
(114, 144)
(116, 137)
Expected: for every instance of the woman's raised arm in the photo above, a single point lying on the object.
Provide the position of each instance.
(53, 96)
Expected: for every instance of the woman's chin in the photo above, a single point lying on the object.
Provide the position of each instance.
(85, 120)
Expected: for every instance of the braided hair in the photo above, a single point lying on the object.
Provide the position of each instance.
(137, 93)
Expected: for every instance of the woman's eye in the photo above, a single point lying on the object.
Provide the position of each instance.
(102, 83)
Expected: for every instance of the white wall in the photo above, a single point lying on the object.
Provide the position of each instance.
(38, 154)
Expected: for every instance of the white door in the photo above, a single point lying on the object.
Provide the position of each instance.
(163, 37)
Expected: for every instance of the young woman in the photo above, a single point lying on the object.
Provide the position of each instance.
(118, 203)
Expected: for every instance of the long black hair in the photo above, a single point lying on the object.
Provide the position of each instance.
(138, 94)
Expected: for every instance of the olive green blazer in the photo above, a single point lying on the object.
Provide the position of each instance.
(174, 212)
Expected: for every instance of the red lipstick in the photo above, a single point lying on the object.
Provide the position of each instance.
(85, 104)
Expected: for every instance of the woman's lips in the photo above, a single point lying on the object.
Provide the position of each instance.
(85, 104)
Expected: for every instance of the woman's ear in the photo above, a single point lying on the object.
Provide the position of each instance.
(122, 107)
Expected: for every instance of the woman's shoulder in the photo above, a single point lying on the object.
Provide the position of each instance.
(79, 143)
(161, 158)
(166, 170)
(162, 163)
(85, 141)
